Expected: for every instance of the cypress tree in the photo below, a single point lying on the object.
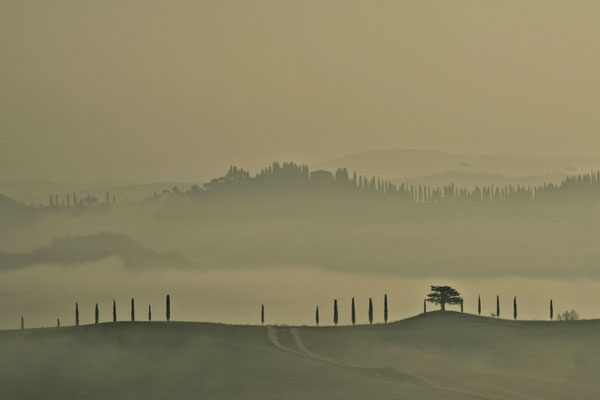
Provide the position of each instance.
(114, 311)
(479, 305)
(96, 314)
(461, 305)
(551, 310)
(317, 316)
(58, 322)
(168, 307)
(132, 309)
(353, 312)
(424, 306)
(385, 309)
(498, 306)
(335, 312)
(149, 312)
(370, 311)
(262, 314)
(515, 308)
(76, 314)
(22, 323)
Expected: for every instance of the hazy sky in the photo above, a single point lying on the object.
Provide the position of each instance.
(181, 89)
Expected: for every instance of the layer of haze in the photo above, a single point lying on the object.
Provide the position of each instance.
(290, 295)
(178, 90)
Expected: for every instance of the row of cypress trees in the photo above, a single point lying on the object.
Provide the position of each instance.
(114, 313)
(336, 313)
(385, 310)
(515, 308)
(262, 311)
(353, 311)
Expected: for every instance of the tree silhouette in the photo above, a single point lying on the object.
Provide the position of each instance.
(96, 314)
(498, 306)
(370, 311)
(461, 306)
(442, 295)
(424, 306)
(262, 314)
(58, 322)
(479, 305)
(317, 316)
(551, 310)
(76, 314)
(515, 308)
(353, 312)
(385, 309)
(335, 312)
(132, 309)
(149, 312)
(22, 323)
(114, 311)
(168, 307)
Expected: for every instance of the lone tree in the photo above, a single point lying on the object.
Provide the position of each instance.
(370, 311)
(132, 309)
(335, 312)
(317, 316)
(498, 306)
(385, 308)
(114, 311)
(22, 323)
(461, 306)
(442, 295)
(551, 310)
(96, 314)
(149, 312)
(262, 314)
(479, 305)
(353, 312)
(76, 314)
(424, 306)
(168, 307)
(515, 308)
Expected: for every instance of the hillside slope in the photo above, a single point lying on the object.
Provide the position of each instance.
(436, 355)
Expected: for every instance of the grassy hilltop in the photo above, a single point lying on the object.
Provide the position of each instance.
(436, 355)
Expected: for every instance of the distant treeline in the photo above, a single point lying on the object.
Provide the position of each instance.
(291, 175)
(71, 200)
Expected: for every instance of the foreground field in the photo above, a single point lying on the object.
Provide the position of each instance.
(432, 356)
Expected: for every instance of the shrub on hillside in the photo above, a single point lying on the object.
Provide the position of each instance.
(568, 316)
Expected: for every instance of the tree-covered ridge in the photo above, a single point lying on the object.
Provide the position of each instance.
(291, 175)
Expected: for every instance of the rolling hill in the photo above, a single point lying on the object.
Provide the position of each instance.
(435, 355)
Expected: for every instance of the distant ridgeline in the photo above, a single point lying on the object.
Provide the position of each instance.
(294, 177)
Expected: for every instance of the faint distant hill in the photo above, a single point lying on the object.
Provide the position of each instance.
(8, 203)
(88, 248)
(410, 163)
(13, 212)
(467, 179)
